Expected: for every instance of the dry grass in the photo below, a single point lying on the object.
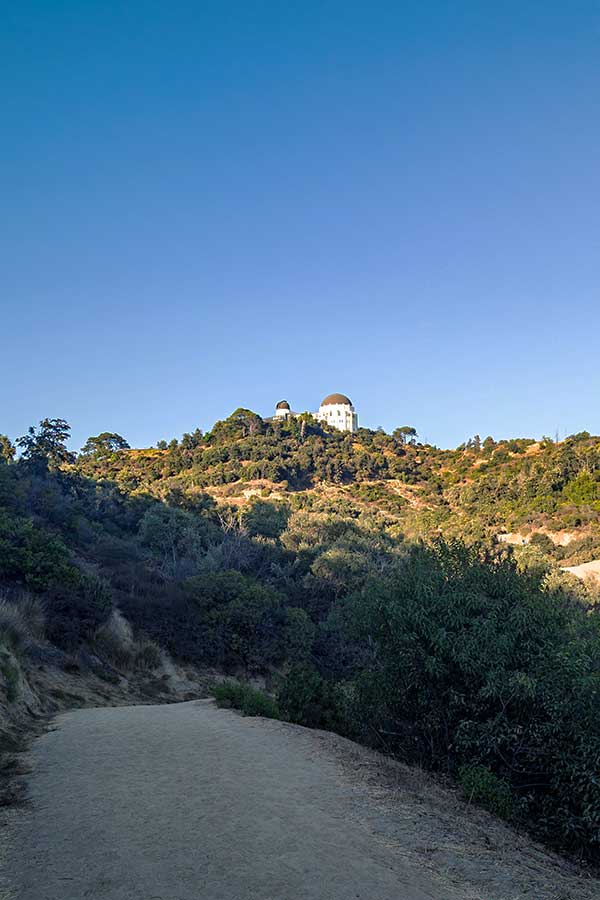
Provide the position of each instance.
(113, 640)
(146, 655)
(22, 619)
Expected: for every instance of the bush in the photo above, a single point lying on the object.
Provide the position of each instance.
(252, 702)
(113, 640)
(146, 655)
(21, 619)
(75, 612)
(307, 699)
(10, 673)
(243, 620)
(32, 555)
(13, 627)
(466, 661)
(481, 786)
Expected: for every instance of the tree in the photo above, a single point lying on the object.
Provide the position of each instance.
(7, 449)
(488, 444)
(104, 445)
(192, 441)
(406, 434)
(48, 443)
(173, 535)
(241, 423)
(266, 518)
(244, 620)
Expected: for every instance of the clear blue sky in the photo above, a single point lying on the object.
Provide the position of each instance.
(207, 205)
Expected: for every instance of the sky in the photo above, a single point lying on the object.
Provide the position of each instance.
(221, 204)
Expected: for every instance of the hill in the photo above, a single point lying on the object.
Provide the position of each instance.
(546, 492)
(360, 576)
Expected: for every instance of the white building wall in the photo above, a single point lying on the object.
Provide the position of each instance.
(339, 415)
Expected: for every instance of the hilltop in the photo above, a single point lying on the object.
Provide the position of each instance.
(543, 492)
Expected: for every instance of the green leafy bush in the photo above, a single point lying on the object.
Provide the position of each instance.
(32, 555)
(76, 611)
(468, 661)
(252, 702)
(308, 699)
(243, 620)
(482, 787)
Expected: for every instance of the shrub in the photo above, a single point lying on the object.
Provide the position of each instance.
(10, 673)
(467, 662)
(33, 611)
(32, 555)
(249, 700)
(114, 640)
(76, 611)
(21, 618)
(242, 619)
(146, 655)
(307, 699)
(13, 627)
(266, 518)
(481, 786)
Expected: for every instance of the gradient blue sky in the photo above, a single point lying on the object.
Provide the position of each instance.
(213, 204)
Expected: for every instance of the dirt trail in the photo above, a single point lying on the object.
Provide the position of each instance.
(186, 801)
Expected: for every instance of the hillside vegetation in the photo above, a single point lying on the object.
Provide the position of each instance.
(360, 574)
(476, 491)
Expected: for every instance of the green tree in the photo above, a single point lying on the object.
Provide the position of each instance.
(172, 535)
(104, 445)
(47, 443)
(488, 445)
(7, 449)
(240, 424)
(405, 434)
(192, 441)
(244, 619)
(265, 518)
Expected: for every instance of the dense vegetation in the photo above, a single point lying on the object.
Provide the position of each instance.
(297, 553)
(477, 490)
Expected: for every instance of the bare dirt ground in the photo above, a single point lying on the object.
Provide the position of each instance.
(187, 801)
(589, 570)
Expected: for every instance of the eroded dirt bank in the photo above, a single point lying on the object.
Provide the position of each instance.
(187, 801)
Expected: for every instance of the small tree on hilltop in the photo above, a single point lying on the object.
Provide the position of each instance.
(406, 434)
(104, 445)
(192, 441)
(48, 443)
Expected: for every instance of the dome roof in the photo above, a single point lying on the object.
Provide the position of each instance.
(283, 404)
(336, 398)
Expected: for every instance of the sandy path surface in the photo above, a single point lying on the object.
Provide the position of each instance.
(186, 801)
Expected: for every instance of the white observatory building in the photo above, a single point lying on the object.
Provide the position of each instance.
(337, 410)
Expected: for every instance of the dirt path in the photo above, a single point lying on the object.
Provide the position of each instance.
(186, 801)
